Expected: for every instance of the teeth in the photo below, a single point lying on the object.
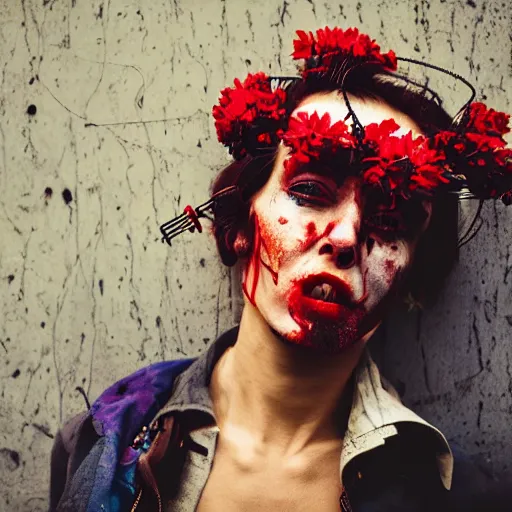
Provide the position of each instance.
(322, 292)
(317, 292)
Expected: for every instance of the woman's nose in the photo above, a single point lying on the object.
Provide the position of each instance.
(342, 241)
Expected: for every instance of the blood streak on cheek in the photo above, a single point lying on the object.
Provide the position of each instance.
(311, 235)
(390, 269)
(273, 273)
(272, 244)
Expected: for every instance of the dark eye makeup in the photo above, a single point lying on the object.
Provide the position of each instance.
(387, 224)
(311, 193)
(402, 219)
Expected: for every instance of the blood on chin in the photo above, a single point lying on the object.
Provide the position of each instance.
(326, 337)
(324, 325)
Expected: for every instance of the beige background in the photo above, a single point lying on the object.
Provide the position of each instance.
(122, 139)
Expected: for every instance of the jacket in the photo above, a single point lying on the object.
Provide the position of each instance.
(129, 450)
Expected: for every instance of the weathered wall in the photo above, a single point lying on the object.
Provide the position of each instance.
(105, 133)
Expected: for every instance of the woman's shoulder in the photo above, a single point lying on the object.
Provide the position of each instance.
(109, 425)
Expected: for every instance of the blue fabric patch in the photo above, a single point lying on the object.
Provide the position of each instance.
(121, 412)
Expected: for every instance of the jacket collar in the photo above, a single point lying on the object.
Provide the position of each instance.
(376, 412)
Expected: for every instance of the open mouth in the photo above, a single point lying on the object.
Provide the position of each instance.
(324, 292)
(327, 288)
(325, 298)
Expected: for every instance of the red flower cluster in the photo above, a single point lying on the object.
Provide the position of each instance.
(401, 164)
(249, 115)
(349, 43)
(314, 138)
(478, 153)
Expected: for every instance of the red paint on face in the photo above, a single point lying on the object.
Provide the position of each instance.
(311, 237)
(310, 229)
(256, 259)
(273, 273)
(283, 221)
(390, 268)
(272, 244)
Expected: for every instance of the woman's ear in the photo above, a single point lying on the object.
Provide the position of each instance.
(241, 245)
(233, 243)
(243, 235)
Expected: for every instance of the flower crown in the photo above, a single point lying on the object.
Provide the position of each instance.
(254, 116)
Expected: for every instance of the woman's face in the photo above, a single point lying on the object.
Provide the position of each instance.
(326, 257)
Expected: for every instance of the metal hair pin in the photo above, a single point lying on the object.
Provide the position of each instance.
(189, 219)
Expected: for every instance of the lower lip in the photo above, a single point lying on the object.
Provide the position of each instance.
(327, 310)
(304, 308)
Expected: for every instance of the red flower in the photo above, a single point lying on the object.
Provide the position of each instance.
(385, 155)
(249, 107)
(337, 42)
(429, 171)
(487, 121)
(303, 46)
(477, 154)
(315, 138)
(483, 142)
(377, 132)
(401, 164)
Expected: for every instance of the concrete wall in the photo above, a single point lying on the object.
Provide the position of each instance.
(105, 132)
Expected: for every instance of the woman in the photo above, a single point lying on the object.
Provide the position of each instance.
(340, 201)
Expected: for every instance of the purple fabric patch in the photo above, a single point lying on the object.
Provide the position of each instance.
(121, 411)
(133, 401)
(129, 456)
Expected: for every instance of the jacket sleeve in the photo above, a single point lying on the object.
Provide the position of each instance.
(61, 457)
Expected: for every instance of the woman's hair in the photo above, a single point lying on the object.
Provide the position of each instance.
(437, 248)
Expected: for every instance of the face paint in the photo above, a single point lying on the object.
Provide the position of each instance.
(326, 258)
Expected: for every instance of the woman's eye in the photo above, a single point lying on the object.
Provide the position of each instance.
(310, 193)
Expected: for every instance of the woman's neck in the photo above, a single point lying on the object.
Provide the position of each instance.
(272, 394)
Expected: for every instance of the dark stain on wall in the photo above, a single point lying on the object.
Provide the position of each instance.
(11, 458)
(67, 195)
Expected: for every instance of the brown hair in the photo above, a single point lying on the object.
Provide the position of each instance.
(437, 248)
